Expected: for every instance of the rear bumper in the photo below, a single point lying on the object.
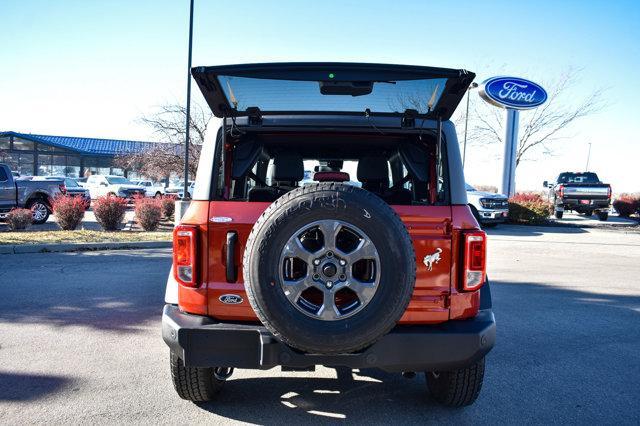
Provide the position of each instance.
(582, 204)
(202, 342)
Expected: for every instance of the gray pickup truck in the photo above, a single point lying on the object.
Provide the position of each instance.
(582, 192)
(32, 194)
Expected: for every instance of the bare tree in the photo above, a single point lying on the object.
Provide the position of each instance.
(168, 125)
(539, 128)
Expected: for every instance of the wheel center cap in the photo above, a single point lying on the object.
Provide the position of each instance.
(329, 270)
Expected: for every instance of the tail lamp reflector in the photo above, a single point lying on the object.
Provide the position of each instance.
(475, 260)
(184, 255)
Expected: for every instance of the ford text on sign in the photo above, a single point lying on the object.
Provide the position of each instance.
(512, 92)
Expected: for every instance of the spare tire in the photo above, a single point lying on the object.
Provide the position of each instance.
(329, 268)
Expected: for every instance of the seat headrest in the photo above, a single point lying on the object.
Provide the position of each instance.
(331, 176)
(373, 169)
(288, 167)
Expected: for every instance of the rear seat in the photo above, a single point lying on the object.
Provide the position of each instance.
(373, 172)
(288, 170)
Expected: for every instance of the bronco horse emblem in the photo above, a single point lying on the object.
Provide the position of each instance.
(432, 259)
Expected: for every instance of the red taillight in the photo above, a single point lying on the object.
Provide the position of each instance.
(609, 192)
(475, 260)
(63, 188)
(561, 190)
(185, 243)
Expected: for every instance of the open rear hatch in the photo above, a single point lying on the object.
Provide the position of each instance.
(332, 88)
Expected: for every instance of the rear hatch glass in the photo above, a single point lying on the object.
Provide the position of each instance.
(289, 95)
(313, 88)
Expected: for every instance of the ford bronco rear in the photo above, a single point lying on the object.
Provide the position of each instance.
(329, 226)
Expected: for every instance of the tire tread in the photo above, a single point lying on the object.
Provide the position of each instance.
(457, 388)
(195, 384)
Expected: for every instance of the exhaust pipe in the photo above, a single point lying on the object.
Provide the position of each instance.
(222, 373)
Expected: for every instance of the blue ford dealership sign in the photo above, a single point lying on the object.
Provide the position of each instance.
(512, 92)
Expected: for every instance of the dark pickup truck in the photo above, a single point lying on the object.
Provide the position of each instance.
(32, 194)
(582, 192)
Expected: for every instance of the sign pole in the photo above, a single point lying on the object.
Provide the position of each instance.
(510, 149)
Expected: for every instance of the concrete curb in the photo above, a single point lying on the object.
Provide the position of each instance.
(52, 248)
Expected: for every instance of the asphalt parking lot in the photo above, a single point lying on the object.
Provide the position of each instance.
(80, 343)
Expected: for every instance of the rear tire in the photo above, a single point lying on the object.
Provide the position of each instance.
(40, 211)
(559, 214)
(196, 384)
(456, 388)
(603, 216)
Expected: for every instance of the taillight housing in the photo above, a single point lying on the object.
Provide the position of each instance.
(561, 190)
(63, 188)
(609, 192)
(475, 260)
(185, 256)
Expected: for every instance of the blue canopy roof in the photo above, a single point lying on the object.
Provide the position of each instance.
(89, 146)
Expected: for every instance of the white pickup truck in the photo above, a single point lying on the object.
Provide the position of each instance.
(488, 208)
(151, 189)
(100, 185)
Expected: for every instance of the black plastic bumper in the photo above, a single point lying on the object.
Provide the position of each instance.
(202, 342)
(575, 204)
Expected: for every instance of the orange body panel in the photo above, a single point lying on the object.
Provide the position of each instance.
(434, 300)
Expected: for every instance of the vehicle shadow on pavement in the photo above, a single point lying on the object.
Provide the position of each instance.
(371, 396)
(105, 290)
(28, 387)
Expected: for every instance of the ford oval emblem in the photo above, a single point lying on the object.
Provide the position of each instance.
(512, 92)
(230, 299)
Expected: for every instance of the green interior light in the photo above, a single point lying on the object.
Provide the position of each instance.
(331, 75)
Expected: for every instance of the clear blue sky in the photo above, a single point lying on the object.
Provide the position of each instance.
(90, 68)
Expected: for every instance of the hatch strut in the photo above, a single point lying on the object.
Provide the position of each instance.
(439, 129)
(223, 143)
(439, 153)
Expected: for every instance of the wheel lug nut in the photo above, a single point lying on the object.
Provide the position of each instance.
(316, 261)
(316, 276)
(343, 277)
(329, 284)
(343, 262)
(329, 254)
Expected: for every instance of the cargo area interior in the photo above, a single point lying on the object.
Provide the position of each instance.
(401, 169)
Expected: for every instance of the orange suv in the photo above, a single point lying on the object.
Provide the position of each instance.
(330, 226)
